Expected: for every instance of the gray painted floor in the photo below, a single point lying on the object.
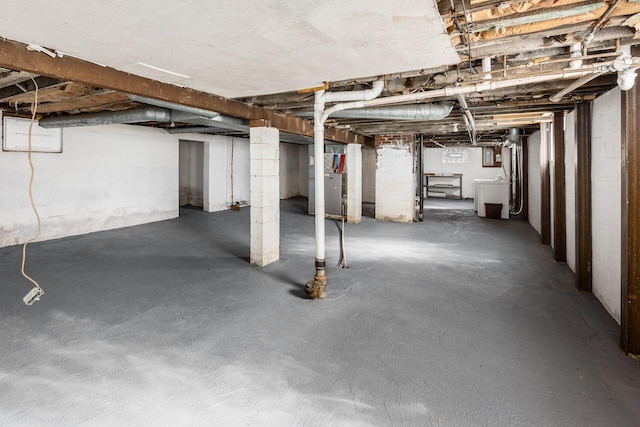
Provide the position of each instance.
(454, 321)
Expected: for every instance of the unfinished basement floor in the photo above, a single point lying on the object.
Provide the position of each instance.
(452, 322)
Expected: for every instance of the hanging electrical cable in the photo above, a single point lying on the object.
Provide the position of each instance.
(35, 293)
(343, 255)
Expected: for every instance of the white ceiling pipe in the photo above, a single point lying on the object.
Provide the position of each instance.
(356, 95)
(486, 67)
(575, 52)
(468, 119)
(449, 92)
(557, 97)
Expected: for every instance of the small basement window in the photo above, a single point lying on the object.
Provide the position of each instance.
(15, 136)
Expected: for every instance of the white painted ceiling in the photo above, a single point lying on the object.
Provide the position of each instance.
(239, 48)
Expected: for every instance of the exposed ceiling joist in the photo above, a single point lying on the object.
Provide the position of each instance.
(15, 55)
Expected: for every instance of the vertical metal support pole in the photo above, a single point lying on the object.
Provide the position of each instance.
(420, 179)
(630, 296)
(545, 176)
(560, 203)
(583, 196)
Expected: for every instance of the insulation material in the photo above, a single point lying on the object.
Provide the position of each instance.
(509, 9)
(504, 31)
(507, 28)
(634, 22)
(505, 9)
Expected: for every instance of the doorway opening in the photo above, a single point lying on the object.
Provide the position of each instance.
(191, 174)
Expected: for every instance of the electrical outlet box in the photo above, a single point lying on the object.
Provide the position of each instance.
(33, 296)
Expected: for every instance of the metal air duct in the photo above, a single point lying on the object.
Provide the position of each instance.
(414, 112)
(138, 115)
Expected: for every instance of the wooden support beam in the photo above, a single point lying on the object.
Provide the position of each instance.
(583, 196)
(545, 191)
(630, 297)
(559, 195)
(14, 55)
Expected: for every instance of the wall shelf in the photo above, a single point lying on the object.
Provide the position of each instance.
(443, 186)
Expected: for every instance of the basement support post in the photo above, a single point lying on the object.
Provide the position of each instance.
(545, 177)
(583, 196)
(354, 183)
(560, 220)
(420, 179)
(395, 177)
(630, 296)
(525, 178)
(264, 181)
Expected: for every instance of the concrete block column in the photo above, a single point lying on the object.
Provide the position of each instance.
(395, 178)
(354, 183)
(264, 169)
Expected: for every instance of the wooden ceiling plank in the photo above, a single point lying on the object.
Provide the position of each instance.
(88, 101)
(14, 55)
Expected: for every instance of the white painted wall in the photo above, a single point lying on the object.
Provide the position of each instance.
(395, 183)
(534, 181)
(217, 172)
(240, 170)
(290, 182)
(106, 177)
(226, 171)
(368, 175)
(570, 183)
(470, 171)
(606, 200)
(303, 172)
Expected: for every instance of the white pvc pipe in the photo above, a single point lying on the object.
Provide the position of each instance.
(321, 97)
(486, 67)
(468, 118)
(318, 153)
(576, 52)
(556, 97)
(472, 88)
(356, 95)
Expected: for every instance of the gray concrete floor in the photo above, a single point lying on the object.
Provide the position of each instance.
(455, 321)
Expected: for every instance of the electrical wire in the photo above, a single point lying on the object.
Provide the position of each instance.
(34, 108)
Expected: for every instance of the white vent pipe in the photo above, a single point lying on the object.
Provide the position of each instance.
(468, 119)
(483, 86)
(624, 65)
(575, 52)
(315, 287)
(557, 97)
